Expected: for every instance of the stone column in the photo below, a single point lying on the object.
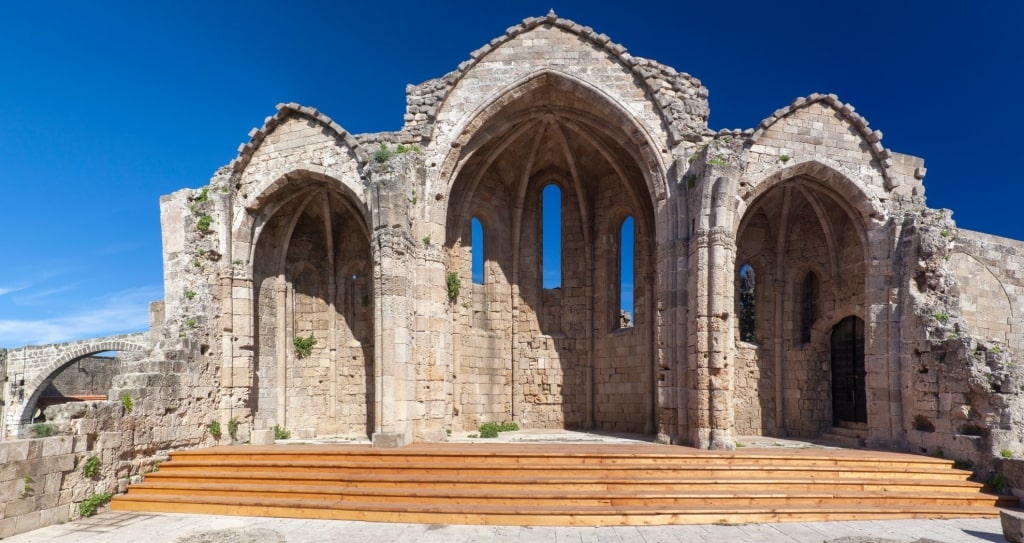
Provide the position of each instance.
(722, 248)
(698, 378)
(713, 254)
(281, 352)
(393, 279)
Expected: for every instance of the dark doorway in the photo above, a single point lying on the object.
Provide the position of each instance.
(849, 401)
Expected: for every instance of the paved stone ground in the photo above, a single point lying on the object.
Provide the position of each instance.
(120, 527)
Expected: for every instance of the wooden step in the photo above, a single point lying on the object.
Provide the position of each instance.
(559, 485)
(561, 482)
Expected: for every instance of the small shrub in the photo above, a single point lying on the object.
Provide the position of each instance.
(190, 294)
(191, 323)
(426, 241)
(942, 317)
(304, 345)
(998, 483)
(784, 158)
(382, 154)
(43, 429)
(126, 401)
(204, 195)
(214, 428)
(233, 428)
(1006, 453)
(203, 224)
(963, 464)
(453, 284)
(740, 445)
(91, 467)
(508, 427)
(489, 429)
(281, 433)
(87, 508)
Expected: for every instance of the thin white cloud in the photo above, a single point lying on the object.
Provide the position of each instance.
(8, 290)
(34, 298)
(116, 313)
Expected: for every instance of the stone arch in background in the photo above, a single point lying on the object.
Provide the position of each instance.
(547, 357)
(312, 279)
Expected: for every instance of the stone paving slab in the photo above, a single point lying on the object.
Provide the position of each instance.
(130, 527)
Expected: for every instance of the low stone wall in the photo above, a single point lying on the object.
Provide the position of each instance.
(41, 480)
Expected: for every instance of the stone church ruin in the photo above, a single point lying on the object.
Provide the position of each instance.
(787, 280)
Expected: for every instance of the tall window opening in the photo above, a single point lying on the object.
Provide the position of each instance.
(626, 273)
(745, 303)
(477, 251)
(551, 242)
(809, 305)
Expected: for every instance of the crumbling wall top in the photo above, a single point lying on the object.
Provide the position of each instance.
(681, 99)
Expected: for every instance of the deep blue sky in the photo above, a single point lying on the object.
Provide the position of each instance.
(106, 106)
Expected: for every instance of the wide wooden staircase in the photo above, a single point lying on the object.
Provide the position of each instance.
(562, 485)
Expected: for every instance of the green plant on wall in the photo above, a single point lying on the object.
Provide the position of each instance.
(91, 467)
(214, 428)
(382, 154)
(43, 429)
(304, 345)
(233, 428)
(281, 433)
(87, 507)
(203, 224)
(453, 284)
(126, 401)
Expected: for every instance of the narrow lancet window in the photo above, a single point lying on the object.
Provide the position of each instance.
(477, 250)
(626, 274)
(745, 303)
(551, 242)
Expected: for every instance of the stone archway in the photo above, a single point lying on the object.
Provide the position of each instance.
(36, 384)
(312, 285)
(553, 357)
(799, 234)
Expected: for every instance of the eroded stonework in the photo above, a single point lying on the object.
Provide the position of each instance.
(788, 280)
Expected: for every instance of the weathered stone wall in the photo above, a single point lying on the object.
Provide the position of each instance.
(42, 480)
(964, 392)
(990, 272)
(31, 369)
(352, 240)
(91, 375)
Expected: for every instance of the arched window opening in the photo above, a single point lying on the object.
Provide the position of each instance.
(625, 293)
(809, 306)
(551, 241)
(745, 303)
(477, 251)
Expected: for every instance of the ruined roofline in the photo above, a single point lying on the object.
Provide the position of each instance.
(661, 82)
(883, 155)
(285, 111)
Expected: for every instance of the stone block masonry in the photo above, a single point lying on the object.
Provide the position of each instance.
(786, 279)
